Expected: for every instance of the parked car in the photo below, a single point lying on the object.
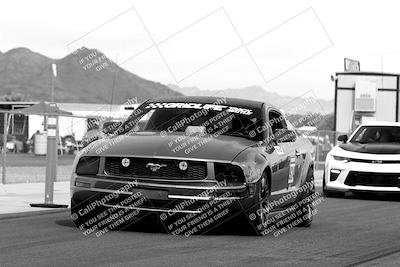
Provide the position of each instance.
(69, 144)
(191, 151)
(367, 161)
(12, 145)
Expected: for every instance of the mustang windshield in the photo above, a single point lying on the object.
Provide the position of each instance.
(377, 134)
(192, 118)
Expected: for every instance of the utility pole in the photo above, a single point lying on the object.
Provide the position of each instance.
(51, 158)
(4, 149)
(52, 151)
(54, 74)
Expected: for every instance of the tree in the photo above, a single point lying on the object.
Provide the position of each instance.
(13, 97)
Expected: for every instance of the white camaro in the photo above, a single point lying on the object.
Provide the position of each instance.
(367, 161)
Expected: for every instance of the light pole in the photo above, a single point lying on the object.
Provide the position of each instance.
(54, 69)
(51, 156)
(4, 149)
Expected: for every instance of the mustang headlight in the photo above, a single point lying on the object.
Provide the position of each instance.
(229, 173)
(251, 173)
(88, 165)
(342, 159)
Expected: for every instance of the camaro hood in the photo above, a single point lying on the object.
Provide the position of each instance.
(339, 151)
(372, 148)
(150, 144)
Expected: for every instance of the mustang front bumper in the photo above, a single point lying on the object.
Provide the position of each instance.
(157, 196)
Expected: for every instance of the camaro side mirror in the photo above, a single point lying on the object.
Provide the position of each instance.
(342, 138)
(285, 135)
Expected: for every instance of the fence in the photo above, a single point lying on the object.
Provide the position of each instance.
(323, 141)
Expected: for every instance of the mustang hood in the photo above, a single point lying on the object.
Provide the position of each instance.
(150, 144)
(372, 148)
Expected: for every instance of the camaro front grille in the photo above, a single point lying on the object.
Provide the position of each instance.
(373, 179)
(376, 161)
(168, 168)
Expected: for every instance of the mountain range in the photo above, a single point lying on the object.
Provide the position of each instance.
(298, 105)
(88, 76)
(84, 76)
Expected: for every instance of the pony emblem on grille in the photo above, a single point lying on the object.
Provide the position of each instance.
(155, 167)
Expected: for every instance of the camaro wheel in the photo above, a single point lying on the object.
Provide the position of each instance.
(258, 214)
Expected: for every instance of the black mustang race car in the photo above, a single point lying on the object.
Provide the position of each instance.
(195, 162)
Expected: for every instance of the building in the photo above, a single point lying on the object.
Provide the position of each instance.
(362, 96)
(84, 117)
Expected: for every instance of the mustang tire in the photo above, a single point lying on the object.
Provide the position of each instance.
(258, 214)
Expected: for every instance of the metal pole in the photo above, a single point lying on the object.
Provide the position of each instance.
(51, 159)
(52, 149)
(4, 153)
(56, 157)
(317, 151)
(51, 156)
(52, 87)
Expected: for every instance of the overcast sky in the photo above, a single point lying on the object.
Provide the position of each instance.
(289, 47)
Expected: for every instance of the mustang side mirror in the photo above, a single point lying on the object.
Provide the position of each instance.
(111, 127)
(285, 135)
(342, 138)
(270, 146)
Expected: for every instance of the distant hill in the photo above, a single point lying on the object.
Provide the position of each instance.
(289, 104)
(83, 77)
(88, 76)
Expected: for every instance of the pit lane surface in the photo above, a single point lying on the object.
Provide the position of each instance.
(347, 231)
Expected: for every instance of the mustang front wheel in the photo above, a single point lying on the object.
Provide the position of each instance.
(258, 214)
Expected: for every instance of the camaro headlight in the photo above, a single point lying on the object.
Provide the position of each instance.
(339, 158)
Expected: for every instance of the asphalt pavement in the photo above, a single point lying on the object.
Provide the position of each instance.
(345, 232)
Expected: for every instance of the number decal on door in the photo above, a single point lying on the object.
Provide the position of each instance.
(279, 150)
(291, 170)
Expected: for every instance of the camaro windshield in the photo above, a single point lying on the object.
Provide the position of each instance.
(192, 118)
(377, 134)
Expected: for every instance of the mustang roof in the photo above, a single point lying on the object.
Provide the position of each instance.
(210, 100)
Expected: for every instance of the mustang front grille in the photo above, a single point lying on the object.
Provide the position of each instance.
(155, 168)
(373, 179)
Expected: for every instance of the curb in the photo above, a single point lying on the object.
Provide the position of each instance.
(10, 216)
